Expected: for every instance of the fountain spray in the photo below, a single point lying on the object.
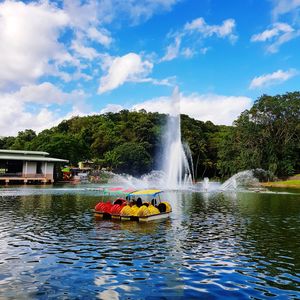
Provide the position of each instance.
(175, 161)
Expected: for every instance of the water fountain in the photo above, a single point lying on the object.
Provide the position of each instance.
(240, 180)
(205, 184)
(175, 163)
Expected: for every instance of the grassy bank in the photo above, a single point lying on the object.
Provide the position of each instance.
(292, 182)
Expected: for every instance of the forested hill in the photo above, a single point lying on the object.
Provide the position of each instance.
(266, 136)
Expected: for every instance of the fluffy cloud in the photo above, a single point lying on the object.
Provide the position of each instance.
(15, 117)
(224, 30)
(83, 51)
(103, 37)
(29, 107)
(29, 40)
(277, 29)
(216, 108)
(198, 28)
(45, 93)
(278, 34)
(42, 38)
(271, 79)
(282, 7)
(86, 21)
(129, 67)
(114, 108)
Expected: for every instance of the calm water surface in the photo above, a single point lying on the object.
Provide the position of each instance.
(215, 246)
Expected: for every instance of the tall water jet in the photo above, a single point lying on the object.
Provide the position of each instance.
(175, 161)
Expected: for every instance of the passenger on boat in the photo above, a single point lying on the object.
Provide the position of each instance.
(139, 202)
(132, 203)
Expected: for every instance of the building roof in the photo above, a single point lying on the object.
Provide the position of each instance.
(31, 158)
(24, 152)
(28, 156)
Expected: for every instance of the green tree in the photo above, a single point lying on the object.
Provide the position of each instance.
(112, 160)
(266, 136)
(23, 139)
(134, 159)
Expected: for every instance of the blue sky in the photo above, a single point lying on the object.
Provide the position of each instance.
(69, 57)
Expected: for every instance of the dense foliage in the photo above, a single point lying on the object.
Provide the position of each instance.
(266, 136)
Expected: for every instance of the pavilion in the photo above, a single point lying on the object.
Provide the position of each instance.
(27, 166)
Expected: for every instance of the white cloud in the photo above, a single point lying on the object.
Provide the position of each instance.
(173, 49)
(114, 108)
(105, 11)
(277, 35)
(42, 38)
(103, 37)
(219, 109)
(141, 10)
(88, 13)
(277, 29)
(29, 107)
(224, 30)
(127, 68)
(15, 117)
(188, 52)
(83, 51)
(273, 78)
(282, 39)
(204, 50)
(45, 93)
(169, 81)
(199, 30)
(216, 108)
(29, 40)
(57, 38)
(282, 7)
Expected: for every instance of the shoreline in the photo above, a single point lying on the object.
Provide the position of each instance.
(282, 184)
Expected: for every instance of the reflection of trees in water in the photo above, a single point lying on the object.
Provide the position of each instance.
(256, 235)
(47, 214)
(271, 238)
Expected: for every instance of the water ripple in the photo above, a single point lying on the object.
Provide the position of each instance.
(226, 246)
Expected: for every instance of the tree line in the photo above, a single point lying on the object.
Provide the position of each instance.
(266, 136)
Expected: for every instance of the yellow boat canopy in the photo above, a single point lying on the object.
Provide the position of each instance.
(146, 192)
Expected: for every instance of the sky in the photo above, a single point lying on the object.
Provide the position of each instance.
(67, 58)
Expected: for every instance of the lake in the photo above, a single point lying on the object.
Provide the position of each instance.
(215, 246)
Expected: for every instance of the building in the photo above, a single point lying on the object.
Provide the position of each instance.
(27, 166)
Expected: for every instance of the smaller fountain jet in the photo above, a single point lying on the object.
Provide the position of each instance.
(240, 180)
(205, 184)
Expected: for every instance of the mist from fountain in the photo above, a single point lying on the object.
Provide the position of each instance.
(206, 184)
(176, 166)
(243, 179)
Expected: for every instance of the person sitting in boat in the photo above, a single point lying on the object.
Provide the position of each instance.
(132, 203)
(139, 202)
(153, 202)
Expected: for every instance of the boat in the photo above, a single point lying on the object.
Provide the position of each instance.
(141, 206)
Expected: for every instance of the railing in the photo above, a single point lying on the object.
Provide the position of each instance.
(11, 175)
(21, 175)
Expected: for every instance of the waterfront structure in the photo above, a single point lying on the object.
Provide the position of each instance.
(27, 166)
